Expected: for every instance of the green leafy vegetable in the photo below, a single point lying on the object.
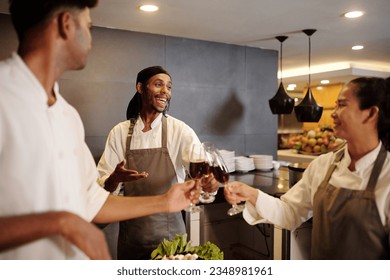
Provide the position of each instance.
(179, 245)
(208, 251)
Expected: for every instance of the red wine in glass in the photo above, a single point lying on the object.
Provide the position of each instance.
(198, 169)
(220, 175)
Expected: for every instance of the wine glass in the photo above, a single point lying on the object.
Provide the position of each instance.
(221, 174)
(209, 150)
(197, 158)
(192, 208)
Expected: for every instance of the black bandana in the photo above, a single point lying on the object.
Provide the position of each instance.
(133, 109)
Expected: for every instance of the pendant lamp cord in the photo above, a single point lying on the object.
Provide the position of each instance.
(309, 32)
(281, 62)
(309, 59)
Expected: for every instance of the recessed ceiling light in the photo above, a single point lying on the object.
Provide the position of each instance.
(325, 82)
(353, 14)
(356, 48)
(291, 86)
(148, 8)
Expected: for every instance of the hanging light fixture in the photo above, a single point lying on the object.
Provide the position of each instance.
(308, 110)
(281, 103)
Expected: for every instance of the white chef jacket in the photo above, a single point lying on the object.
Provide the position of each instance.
(45, 164)
(295, 206)
(179, 139)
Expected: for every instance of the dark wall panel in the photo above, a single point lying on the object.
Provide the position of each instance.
(8, 38)
(117, 55)
(205, 64)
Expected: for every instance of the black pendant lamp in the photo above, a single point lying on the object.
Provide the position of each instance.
(281, 103)
(308, 110)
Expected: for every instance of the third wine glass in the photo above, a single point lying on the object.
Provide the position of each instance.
(221, 173)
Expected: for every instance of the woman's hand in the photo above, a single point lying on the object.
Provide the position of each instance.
(236, 192)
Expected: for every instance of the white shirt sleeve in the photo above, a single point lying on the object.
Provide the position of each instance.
(114, 152)
(295, 206)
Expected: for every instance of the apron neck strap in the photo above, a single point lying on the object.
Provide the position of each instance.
(377, 168)
(164, 131)
(130, 133)
(338, 156)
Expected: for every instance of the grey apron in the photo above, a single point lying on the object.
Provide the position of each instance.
(346, 223)
(139, 237)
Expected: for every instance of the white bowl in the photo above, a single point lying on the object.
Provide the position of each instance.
(276, 164)
(262, 157)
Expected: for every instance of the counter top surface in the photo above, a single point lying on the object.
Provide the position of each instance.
(273, 182)
(293, 156)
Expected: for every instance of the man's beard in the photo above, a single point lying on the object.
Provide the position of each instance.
(165, 110)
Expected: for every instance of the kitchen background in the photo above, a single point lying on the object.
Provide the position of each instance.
(220, 89)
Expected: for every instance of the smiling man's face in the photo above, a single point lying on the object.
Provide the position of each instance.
(158, 92)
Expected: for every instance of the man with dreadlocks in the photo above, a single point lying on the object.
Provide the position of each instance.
(153, 141)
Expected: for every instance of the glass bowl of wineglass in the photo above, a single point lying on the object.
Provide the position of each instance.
(209, 150)
(197, 168)
(221, 174)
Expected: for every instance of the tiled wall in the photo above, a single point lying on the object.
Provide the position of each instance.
(220, 90)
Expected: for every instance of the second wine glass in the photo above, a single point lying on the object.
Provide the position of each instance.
(209, 150)
(221, 173)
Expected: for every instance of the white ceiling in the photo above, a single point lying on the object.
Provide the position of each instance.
(255, 23)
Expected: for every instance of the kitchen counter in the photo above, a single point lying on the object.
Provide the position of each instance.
(292, 155)
(274, 182)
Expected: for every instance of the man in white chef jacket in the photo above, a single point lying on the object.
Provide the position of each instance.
(153, 141)
(48, 185)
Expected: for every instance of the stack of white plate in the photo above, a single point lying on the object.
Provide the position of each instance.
(262, 162)
(244, 164)
(228, 158)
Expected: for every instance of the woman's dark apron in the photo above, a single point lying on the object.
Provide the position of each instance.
(346, 223)
(139, 237)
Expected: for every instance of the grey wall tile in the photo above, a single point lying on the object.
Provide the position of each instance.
(233, 142)
(261, 70)
(209, 110)
(261, 144)
(258, 117)
(96, 145)
(101, 105)
(203, 63)
(118, 55)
